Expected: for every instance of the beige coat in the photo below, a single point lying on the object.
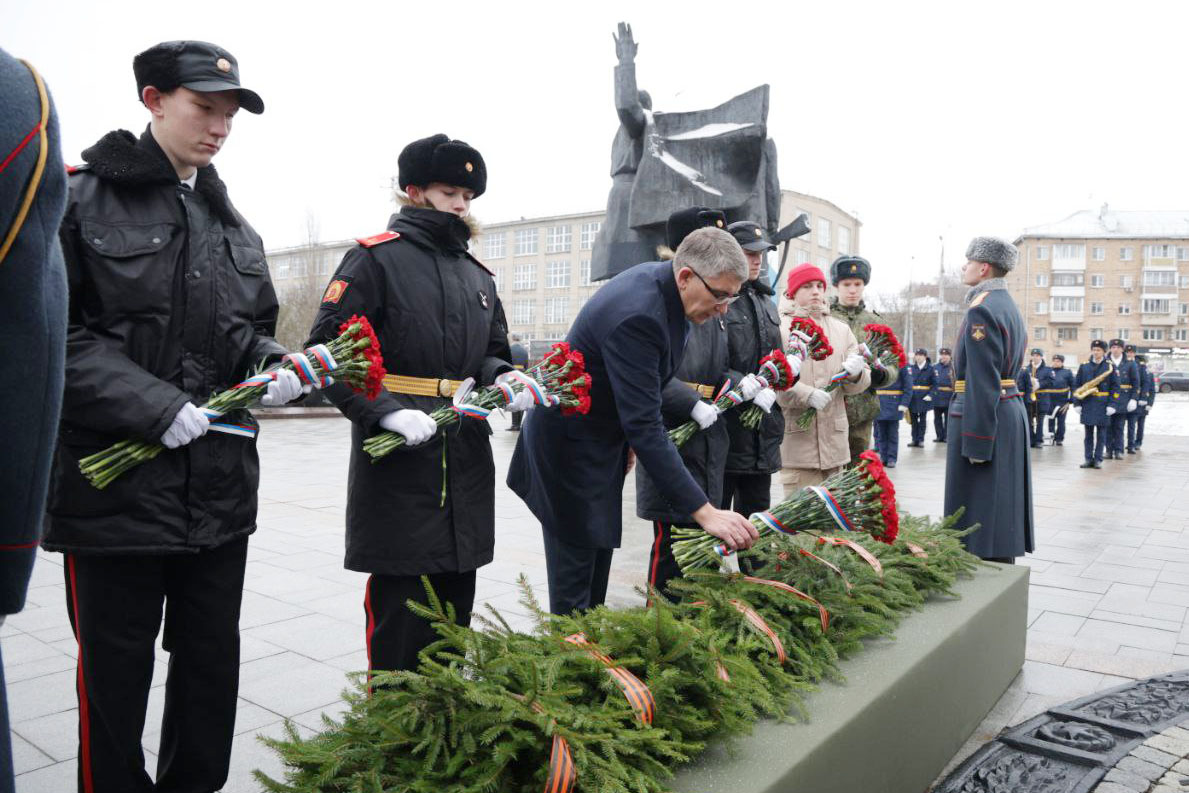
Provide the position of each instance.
(823, 445)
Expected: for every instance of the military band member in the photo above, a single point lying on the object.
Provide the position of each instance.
(1096, 408)
(988, 470)
(1139, 394)
(943, 392)
(1028, 381)
(1057, 387)
(1146, 400)
(429, 507)
(1123, 399)
(893, 402)
(850, 276)
(519, 361)
(922, 377)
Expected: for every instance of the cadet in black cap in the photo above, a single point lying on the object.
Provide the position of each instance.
(943, 392)
(1147, 396)
(1057, 387)
(1095, 402)
(1123, 399)
(439, 320)
(170, 301)
(1028, 381)
(921, 379)
(850, 275)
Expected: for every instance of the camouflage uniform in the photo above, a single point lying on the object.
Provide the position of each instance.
(861, 409)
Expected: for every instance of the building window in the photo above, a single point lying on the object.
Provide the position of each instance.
(1096, 308)
(1158, 252)
(823, 263)
(1067, 305)
(1125, 254)
(555, 310)
(1124, 334)
(1039, 334)
(557, 275)
(1127, 281)
(1184, 281)
(1067, 334)
(1184, 309)
(1160, 278)
(584, 272)
(1181, 334)
(843, 241)
(526, 242)
(1098, 281)
(1153, 334)
(1069, 251)
(1042, 279)
(1124, 308)
(1041, 307)
(497, 273)
(589, 232)
(1156, 306)
(1095, 333)
(557, 239)
(1182, 254)
(1042, 253)
(493, 246)
(1099, 254)
(522, 312)
(823, 233)
(1069, 279)
(525, 277)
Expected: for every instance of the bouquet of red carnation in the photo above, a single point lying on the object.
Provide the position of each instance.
(558, 380)
(353, 357)
(859, 499)
(807, 339)
(776, 373)
(880, 350)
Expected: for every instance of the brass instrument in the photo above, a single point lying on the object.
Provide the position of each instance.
(1091, 386)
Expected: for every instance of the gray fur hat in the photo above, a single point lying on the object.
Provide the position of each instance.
(992, 250)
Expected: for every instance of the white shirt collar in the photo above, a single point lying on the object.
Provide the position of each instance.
(191, 181)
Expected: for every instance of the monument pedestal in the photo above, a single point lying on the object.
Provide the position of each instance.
(907, 706)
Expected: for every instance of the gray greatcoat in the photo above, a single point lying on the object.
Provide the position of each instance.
(988, 422)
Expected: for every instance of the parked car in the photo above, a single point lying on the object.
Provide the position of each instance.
(1172, 381)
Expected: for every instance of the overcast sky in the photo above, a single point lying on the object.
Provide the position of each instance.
(925, 119)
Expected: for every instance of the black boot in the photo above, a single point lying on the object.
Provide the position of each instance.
(1087, 464)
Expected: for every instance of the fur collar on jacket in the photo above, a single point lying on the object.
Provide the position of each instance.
(120, 158)
(985, 286)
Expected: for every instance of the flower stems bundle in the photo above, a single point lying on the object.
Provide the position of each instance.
(775, 373)
(353, 357)
(561, 379)
(859, 499)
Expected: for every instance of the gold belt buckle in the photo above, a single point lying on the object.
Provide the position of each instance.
(445, 388)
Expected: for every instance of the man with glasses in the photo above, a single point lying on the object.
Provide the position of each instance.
(570, 469)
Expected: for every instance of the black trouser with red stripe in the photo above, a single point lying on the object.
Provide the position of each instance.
(115, 606)
(662, 567)
(395, 635)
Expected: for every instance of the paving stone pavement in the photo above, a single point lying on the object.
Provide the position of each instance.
(1107, 603)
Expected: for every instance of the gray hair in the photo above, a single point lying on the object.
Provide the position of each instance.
(711, 252)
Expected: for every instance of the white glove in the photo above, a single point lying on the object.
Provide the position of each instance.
(1035, 384)
(1131, 406)
(1110, 411)
(902, 408)
(818, 399)
(704, 413)
(854, 365)
(749, 386)
(794, 365)
(764, 400)
(928, 398)
(523, 400)
(188, 425)
(974, 461)
(417, 427)
(1143, 403)
(285, 388)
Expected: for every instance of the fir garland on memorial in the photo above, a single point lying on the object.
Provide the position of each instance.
(560, 708)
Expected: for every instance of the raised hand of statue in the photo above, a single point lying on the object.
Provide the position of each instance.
(625, 45)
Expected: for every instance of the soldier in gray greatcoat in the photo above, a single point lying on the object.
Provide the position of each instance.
(988, 470)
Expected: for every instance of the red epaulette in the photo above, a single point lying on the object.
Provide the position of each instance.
(382, 237)
(481, 264)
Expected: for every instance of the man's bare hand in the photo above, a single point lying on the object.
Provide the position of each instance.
(631, 461)
(625, 45)
(730, 527)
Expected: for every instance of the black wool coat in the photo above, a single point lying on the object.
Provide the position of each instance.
(436, 313)
(170, 301)
(753, 331)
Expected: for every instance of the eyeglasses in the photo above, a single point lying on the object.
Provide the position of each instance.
(720, 298)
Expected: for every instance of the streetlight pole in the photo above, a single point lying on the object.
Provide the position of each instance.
(911, 346)
(940, 296)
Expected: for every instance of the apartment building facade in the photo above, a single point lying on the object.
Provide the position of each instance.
(1105, 275)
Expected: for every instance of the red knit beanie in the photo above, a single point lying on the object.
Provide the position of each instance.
(801, 275)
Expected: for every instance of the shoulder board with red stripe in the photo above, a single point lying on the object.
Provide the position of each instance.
(373, 241)
(481, 264)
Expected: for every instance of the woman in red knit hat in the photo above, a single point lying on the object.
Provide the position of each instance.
(810, 455)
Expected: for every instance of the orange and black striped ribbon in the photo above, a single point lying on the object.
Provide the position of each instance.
(828, 564)
(634, 690)
(917, 550)
(821, 610)
(866, 555)
(562, 774)
(755, 619)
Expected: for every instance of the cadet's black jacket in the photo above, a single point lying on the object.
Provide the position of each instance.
(436, 313)
(170, 301)
(704, 455)
(753, 331)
